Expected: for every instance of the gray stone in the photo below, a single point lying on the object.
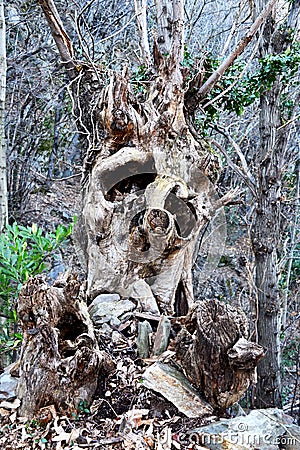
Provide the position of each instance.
(7, 386)
(108, 307)
(174, 386)
(142, 343)
(162, 336)
(261, 429)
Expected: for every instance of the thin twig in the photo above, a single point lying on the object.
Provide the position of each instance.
(234, 167)
(239, 153)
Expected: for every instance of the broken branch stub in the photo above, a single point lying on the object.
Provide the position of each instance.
(214, 353)
(60, 360)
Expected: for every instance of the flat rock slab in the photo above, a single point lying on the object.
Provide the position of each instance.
(262, 429)
(173, 385)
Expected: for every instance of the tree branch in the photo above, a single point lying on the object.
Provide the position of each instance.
(178, 27)
(235, 168)
(59, 34)
(168, 45)
(140, 7)
(239, 153)
(212, 80)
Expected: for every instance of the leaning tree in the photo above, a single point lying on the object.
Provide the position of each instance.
(147, 192)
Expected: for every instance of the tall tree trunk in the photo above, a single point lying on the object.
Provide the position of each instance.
(3, 180)
(266, 226)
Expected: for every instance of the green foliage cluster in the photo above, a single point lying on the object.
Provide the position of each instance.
(246, 90)
(140, 75)
(24, 252)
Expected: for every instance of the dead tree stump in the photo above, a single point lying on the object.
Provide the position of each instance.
(214, 353)
(60, 360)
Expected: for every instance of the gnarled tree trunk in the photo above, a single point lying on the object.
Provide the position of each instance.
(147, 193)
(214, 352)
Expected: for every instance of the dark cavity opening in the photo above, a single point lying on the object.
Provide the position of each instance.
(70, 327)
(181, 304)
(184, 214)
(129, 176)
(129, 185)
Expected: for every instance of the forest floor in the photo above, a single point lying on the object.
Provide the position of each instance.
(124, 414)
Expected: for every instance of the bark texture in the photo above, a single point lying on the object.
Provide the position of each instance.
(60, 361)
(214, 352)
(3, 179)
(147, 194)
(266, 228)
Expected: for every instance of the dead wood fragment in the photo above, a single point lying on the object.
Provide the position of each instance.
(174, 386)
(214, 353)
(60, 360)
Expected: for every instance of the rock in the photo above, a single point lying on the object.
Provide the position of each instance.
(261, 429)
(173, 385)
(109, 308)
(7, 385)
(142, 343)
(142, 292)
(162, 336)
(104, 298)
(56, 270)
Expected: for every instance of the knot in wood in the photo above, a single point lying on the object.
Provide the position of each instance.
(120, 120)
(158, 220)
(220, 324)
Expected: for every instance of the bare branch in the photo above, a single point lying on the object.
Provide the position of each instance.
(233, 27)
(238, 78)
(235, 168)
(59, 34)
(141, 18)
(212, 80)
(239, 153)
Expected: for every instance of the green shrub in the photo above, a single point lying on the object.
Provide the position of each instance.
(24, 252)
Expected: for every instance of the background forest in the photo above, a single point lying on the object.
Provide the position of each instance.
(248, 117)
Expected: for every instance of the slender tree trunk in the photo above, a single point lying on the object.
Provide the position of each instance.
(3, 180)
(266, 227)
(293, 243)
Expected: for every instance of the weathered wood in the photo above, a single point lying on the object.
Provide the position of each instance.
(60, 360)
(147, 194)
(214, 353)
